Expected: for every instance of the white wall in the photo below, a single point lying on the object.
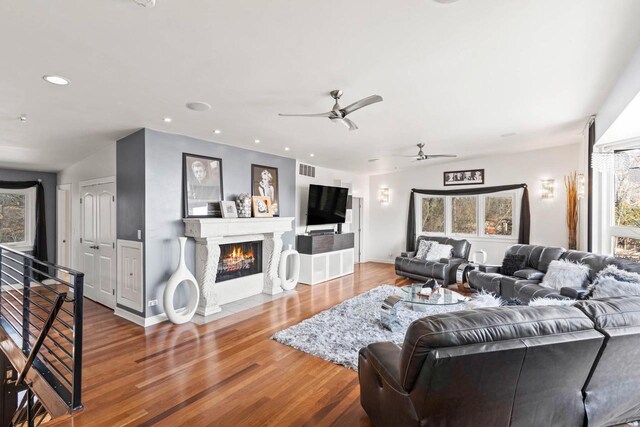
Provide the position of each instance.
(358, 185)
(101, 164)
(387, 226)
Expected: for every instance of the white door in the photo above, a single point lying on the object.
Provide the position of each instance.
(356, 227)
(98, 242)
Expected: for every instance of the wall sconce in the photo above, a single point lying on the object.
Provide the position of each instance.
(548, 187)
(383, 195)
(581, 185)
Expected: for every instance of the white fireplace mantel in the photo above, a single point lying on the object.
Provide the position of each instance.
(210, 233)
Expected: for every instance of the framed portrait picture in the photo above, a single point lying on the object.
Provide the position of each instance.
(228, 209)
(465, 177)
(262, 207)
(264, 182)
(201, 185)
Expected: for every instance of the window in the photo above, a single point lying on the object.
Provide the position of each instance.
(627, 247)
(625, 229)
(464, 215)
(432, 215)
(488, 216)
(498, 216)
(17, 218)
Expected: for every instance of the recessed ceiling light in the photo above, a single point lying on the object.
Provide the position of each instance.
(257, 141)
(56, 80)
(198, 106)
(217, 131)
(311, 155)
(167, 120)
(287, 148)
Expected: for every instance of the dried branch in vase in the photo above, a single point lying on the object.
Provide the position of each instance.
(571, 185)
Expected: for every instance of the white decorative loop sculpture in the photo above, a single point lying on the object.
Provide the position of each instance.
(289, 283)
(182, 274)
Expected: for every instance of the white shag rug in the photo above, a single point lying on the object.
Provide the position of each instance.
(337, 334)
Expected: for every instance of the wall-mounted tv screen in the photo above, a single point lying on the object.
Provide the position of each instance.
(327, 205)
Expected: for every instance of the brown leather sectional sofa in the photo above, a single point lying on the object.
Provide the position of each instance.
(510, 366)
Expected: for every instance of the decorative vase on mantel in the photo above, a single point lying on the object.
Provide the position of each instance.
(243, 205)
(182, 274)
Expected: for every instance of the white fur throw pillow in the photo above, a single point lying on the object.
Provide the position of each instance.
(438, 251)
(423, 248)
(610, 287)
(564, 273)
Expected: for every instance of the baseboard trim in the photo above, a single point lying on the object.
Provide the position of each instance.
(139, 320)
(382, 260)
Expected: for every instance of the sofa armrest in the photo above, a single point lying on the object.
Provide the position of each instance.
(385, 358)
(408, 254)
(452, 261)
(574, 293)
(489, 268)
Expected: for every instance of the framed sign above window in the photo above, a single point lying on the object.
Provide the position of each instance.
(464, 177)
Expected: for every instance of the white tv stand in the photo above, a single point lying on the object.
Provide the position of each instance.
(325, 257)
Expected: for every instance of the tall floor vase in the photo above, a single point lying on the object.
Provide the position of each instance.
(182, 274)
(289, 256)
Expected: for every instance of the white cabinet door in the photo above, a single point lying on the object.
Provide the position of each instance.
(129, 288)
(98, 258)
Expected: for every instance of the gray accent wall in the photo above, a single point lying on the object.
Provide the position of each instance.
(162, 194)
(49, 182)
(130, 188)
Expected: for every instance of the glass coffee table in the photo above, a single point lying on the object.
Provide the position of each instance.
(420, 302)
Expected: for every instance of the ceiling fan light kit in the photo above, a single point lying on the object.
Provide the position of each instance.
(338, 114)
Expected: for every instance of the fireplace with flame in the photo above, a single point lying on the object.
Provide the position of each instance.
(239, 260)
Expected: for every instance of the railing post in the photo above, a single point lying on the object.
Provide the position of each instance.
(30, 413)
(26, 294)
(78, 312)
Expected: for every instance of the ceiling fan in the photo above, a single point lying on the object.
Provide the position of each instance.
(421, 156)
(339, 115)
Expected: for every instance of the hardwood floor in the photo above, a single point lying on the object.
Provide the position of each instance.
(225, 373)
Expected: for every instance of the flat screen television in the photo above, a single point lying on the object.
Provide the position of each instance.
(327, 205)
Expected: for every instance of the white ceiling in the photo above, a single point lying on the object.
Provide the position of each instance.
(454, 76)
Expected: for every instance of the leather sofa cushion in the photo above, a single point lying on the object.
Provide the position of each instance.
(525, 292)
(598, 262)
(538, 257)
(489, 282)
(614, 312)
(529, 274)
(420, 267)
(481, 326)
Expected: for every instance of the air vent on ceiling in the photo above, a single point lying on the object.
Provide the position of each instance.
(307, 170)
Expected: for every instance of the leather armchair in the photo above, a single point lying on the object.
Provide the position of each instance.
(504, 366)
(443, 270)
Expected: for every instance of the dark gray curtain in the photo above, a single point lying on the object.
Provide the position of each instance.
(525, 215)
(40, 241)
(590, 145)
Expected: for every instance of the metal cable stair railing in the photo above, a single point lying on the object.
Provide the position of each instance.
(41, 309)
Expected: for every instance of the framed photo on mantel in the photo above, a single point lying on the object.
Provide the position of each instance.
(464, 177)
(264, 182)
(201, 185)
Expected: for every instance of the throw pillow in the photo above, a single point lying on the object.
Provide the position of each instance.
(512, 263)
(439, 251)
(611, 281)
(607, 286)
(565, 273)
(423, 248)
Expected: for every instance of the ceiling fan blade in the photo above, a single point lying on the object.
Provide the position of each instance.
(433, 156)
(413, 156)
(350, 124)
(360, 104)
(328, 114)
